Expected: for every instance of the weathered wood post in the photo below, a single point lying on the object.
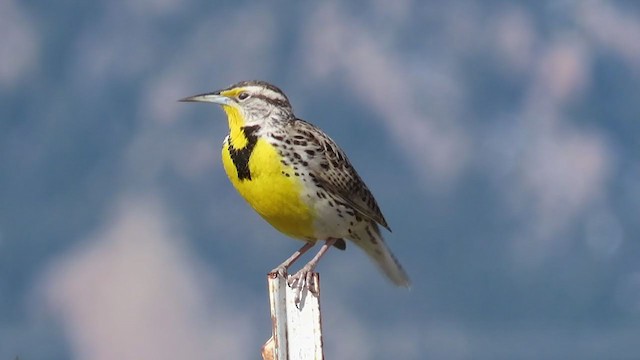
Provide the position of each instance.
(296, 332)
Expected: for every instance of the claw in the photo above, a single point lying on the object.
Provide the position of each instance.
(301, 281)
(281, 271)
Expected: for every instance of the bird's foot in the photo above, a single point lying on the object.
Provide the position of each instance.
(301, 281)
(281, 271)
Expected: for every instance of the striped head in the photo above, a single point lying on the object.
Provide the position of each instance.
(249, 103)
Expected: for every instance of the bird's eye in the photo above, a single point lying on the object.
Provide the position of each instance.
(243, 96)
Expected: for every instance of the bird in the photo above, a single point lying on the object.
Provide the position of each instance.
(299, 180)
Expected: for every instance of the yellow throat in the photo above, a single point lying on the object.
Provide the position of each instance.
(254, 167)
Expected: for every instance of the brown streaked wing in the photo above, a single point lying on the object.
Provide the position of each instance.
(334, 171)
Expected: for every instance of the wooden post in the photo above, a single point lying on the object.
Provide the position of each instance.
(296, 333)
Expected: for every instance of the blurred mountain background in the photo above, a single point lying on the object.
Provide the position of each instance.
(501, 139)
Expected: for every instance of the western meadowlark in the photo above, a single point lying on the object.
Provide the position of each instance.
(298, 179)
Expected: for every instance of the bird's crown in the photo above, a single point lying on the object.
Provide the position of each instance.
(242, 92)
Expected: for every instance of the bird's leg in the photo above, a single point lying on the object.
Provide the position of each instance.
(304, 277)
(282, 268)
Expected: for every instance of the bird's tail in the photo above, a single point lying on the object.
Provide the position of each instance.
(370, 240)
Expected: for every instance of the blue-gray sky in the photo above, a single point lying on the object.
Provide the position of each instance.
(501, 139)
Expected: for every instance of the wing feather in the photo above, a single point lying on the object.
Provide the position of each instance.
(336, 174)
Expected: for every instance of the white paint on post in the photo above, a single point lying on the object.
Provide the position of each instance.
(278, 300)
(297, 333)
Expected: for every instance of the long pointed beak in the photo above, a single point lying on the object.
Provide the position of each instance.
(213, 97)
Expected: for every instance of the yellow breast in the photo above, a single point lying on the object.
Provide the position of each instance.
(271, 193)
